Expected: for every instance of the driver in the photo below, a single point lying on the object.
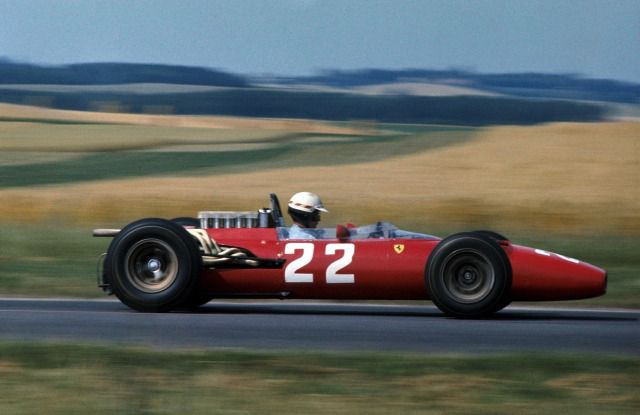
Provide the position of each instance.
(304, 209)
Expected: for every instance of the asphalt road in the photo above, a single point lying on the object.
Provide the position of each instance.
(322, 326)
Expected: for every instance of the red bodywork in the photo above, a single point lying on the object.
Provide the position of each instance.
(391, 268)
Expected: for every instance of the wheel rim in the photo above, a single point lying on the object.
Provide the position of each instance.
(152, 265)
(468, 276)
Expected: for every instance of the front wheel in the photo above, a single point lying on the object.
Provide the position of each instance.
(468, 275)
(153, 265)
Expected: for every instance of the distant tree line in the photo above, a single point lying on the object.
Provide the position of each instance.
(115, 73)
(566, 86)
(532, 85)
(256, 102)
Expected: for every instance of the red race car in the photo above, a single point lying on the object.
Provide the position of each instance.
(161, 265)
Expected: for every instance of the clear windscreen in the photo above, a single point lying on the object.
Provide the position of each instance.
(379, 230)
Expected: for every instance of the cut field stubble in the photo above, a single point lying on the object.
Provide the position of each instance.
(563, 177)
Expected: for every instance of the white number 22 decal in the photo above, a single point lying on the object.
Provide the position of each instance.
(333, 276)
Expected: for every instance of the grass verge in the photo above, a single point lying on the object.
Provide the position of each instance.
(58, 260)
(72, 379)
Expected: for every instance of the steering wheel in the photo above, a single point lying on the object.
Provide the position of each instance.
(276, 213)
(378, 233)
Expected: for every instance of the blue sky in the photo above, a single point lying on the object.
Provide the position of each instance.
(594, 38)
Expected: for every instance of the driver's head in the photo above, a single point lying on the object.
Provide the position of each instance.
(305, 208)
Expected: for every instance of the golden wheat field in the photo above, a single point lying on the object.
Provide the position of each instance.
(564, 177)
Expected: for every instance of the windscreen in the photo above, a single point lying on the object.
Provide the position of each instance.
(379, 230)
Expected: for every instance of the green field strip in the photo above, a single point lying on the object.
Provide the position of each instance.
(287, 151)
(115, 165)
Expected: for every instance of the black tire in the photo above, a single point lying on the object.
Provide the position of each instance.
(493, 235)
(186, 221)
(153, 265)
(469, 275)
(197, 298)
(195, 301)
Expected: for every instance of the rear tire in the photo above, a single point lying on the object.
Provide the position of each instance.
(187, 221)
(469, 275)
(153, 265)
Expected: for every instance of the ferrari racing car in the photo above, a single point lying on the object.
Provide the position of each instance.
(159, 265)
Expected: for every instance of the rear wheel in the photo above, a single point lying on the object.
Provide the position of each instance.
(469, 275)
(187, 221)
(153, 265)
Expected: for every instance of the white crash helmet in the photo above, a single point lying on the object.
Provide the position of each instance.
(306, 202)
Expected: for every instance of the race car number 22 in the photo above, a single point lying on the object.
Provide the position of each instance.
(332, 274)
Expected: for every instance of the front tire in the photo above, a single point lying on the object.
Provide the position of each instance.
(469, 275)
(197, 300)
(153, 265)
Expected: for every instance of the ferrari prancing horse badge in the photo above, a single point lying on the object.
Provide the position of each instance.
(398, 248)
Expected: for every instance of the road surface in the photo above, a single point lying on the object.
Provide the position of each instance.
(284, 325)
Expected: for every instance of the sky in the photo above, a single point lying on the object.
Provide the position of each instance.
(592, 38)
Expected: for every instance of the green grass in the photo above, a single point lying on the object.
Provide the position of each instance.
(113, 165)
(60, 260)
(68, 379)
(49, 261)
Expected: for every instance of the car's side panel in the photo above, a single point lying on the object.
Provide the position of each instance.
(382, 269)
(364, 269)
(261, 242)
(319, 269)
